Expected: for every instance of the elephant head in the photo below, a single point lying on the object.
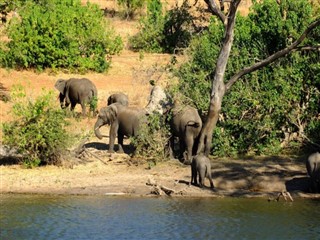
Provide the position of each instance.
(107, 115)
(60, 85)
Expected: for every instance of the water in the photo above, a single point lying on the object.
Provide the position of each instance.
(101, 217)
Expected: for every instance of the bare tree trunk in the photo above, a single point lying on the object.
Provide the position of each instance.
(218, 86)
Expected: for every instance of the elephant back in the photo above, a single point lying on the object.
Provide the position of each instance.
(313, 165)
(130, 119)
(80, 89)
(184, 117)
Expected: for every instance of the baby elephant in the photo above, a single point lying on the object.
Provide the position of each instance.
(201, 164)
(313, 168)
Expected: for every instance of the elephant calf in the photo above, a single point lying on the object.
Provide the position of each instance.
(201, 165)
(123, 121)
(313, 168)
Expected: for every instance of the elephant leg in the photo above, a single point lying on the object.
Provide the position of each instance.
(314, 185)
(202, 174)
(210, 178)
(120, 143)
(73, 105)
(112, 136)
(188, 148)
(171, 147)
(193, 175)
(83, 107)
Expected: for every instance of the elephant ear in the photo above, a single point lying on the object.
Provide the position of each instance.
(113, 112)
(60, 85)
(110, 100)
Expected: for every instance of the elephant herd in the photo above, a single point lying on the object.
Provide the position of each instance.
(124, 120)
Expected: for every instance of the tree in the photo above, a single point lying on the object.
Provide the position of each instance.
(219, 87)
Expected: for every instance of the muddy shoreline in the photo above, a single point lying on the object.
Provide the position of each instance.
(118, 175)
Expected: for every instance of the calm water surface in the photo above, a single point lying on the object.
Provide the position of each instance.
(102, 217)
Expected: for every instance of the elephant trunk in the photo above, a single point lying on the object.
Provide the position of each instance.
(187, 160)
(97, 126)
(61, 99)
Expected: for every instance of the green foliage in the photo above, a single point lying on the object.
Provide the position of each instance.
(93, 104)
(264, 107)
(61, 34)
(163, 32)
(153, 138)
(38, 129)
(131, 6)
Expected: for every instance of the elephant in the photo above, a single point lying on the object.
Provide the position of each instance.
(81, 91)
(118, 97)
(123, 121)
(313, 169)
(186, 124)
(201, 165)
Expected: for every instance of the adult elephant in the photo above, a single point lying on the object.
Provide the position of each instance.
(185, 122)
(313, 169)
(118, 98)
(123, 121)
(77, 91)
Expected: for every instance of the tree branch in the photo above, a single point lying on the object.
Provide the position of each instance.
(215, 10)
(273, 57)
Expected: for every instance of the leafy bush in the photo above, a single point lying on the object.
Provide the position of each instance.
(264, 110)
(131, 6)
(152, 141)
(163, 32)
(61, 34)
(38, 129)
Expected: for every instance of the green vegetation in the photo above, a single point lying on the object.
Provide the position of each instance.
(163, 32)
(60, 34)
(38, 129)
(131, 6)
(273, 109)
(152, 141)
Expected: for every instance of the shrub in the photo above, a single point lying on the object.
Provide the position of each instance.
(131, 6)
(152, 141)
(61, 34)
(161, 32)
(38, 129)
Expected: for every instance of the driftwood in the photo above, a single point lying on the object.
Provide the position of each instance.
(284, 194)
(81, 151)
(158, 189)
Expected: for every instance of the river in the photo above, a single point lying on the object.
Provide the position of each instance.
(104, 217)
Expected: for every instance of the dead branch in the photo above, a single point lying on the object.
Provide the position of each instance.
(96, 156)
(158, 189)
(215, 10)
(283, 194)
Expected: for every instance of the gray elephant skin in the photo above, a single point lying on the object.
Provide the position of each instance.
(313, 169)
(76, 91)
(118, 98)
(201, 165)
(185, 124)
(123, 121)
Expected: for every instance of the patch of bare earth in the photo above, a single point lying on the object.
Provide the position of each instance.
(104, 173)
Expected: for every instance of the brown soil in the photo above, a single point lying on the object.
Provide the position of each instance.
(104, 173)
